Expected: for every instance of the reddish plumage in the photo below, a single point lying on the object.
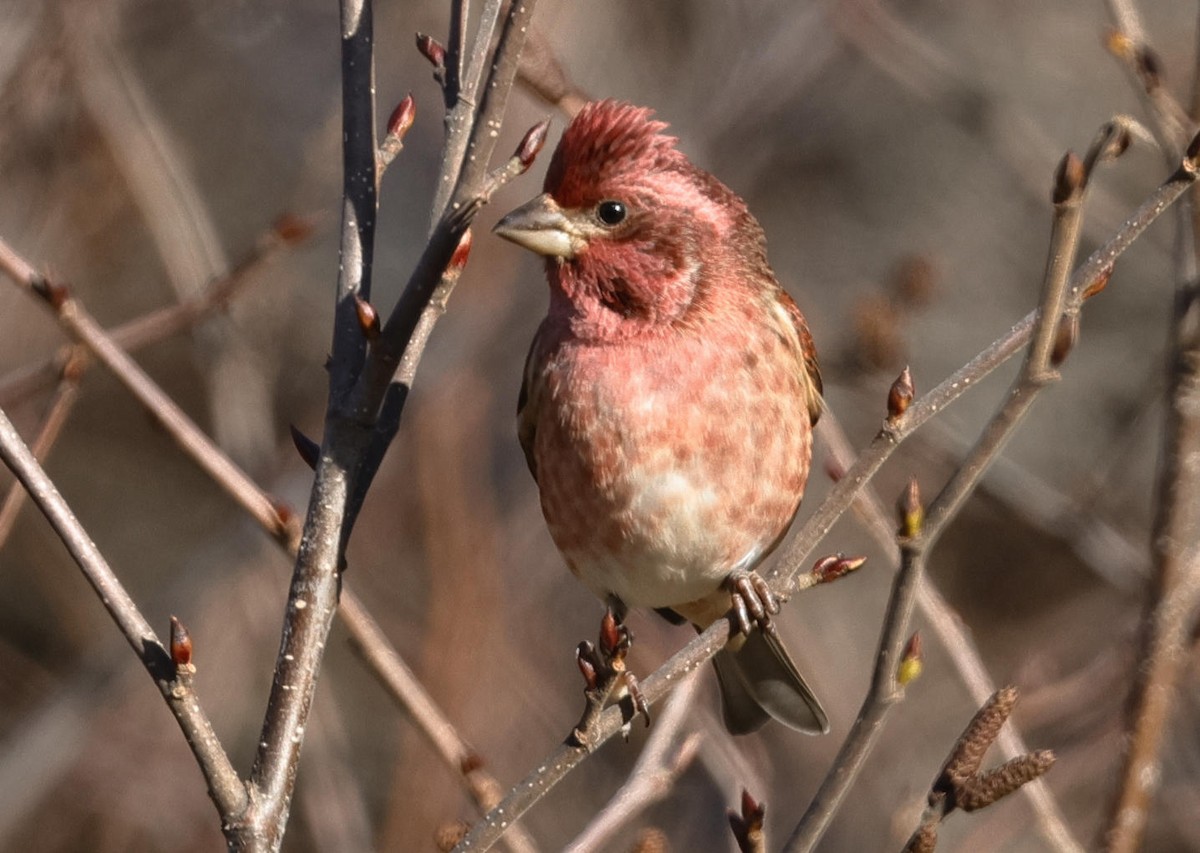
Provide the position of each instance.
(670, 392)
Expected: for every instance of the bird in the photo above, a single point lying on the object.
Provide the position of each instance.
(669, 396)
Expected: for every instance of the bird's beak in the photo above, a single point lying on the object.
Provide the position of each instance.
(541, 226)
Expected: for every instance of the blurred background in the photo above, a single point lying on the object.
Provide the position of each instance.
(899, 156)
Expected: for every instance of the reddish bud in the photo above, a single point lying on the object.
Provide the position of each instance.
(471, 762)
(433, 50)
(900, 395)
(834, 566)
(292, 229)
(1069, 178)
(912, 514)
(308, 449)
(284, 515)
(610, 634)
(748, 826)
(834, 470)
(55, 294)
(402, 117)
(181, 644)
(368, 318)
(583, 659)
(531, 144)
(1099, 282)
(1065, 337)
(752, 809)
(461, 252)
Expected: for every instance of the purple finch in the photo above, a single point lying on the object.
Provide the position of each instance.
(669, 395)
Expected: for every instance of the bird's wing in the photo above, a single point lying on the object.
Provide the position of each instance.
(808, 356)
(527, 405)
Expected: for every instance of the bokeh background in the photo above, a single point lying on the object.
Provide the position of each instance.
(899, 155)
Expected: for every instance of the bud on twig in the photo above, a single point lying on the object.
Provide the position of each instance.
(397, 128)
(433, 50)
(1098, 283)
(610, 634)
(285, 516)
(911, 662)
(900, 395)
(748, 826)
(181, 644)
(1064, 338)
(55, 294)
(828, 569)
(461, 252)
(584, 653)
(368, 318)
(531, 144)
(402, 117)
(1069, 179)
(912, 514)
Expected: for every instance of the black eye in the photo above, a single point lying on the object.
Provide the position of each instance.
(610, 212)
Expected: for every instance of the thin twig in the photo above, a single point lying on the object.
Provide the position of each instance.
(1175, 590)
(52, 423)
(224, 786)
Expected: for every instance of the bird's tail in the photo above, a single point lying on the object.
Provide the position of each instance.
(759, 682)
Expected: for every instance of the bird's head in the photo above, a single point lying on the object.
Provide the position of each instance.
(627, 223)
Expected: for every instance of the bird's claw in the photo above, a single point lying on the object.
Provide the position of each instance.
(752, 600)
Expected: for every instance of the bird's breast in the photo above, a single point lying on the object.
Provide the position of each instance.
(665, 465)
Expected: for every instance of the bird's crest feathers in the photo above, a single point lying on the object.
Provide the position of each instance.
(607, 138)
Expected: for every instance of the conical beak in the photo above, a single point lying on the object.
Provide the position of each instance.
(541, 226)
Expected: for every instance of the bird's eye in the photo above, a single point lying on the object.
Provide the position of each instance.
(610, 212)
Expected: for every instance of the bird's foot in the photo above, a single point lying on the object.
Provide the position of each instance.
(752, 600)
(603, 668)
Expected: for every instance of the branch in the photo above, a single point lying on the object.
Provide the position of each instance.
(173, 682)
(1175, 590)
